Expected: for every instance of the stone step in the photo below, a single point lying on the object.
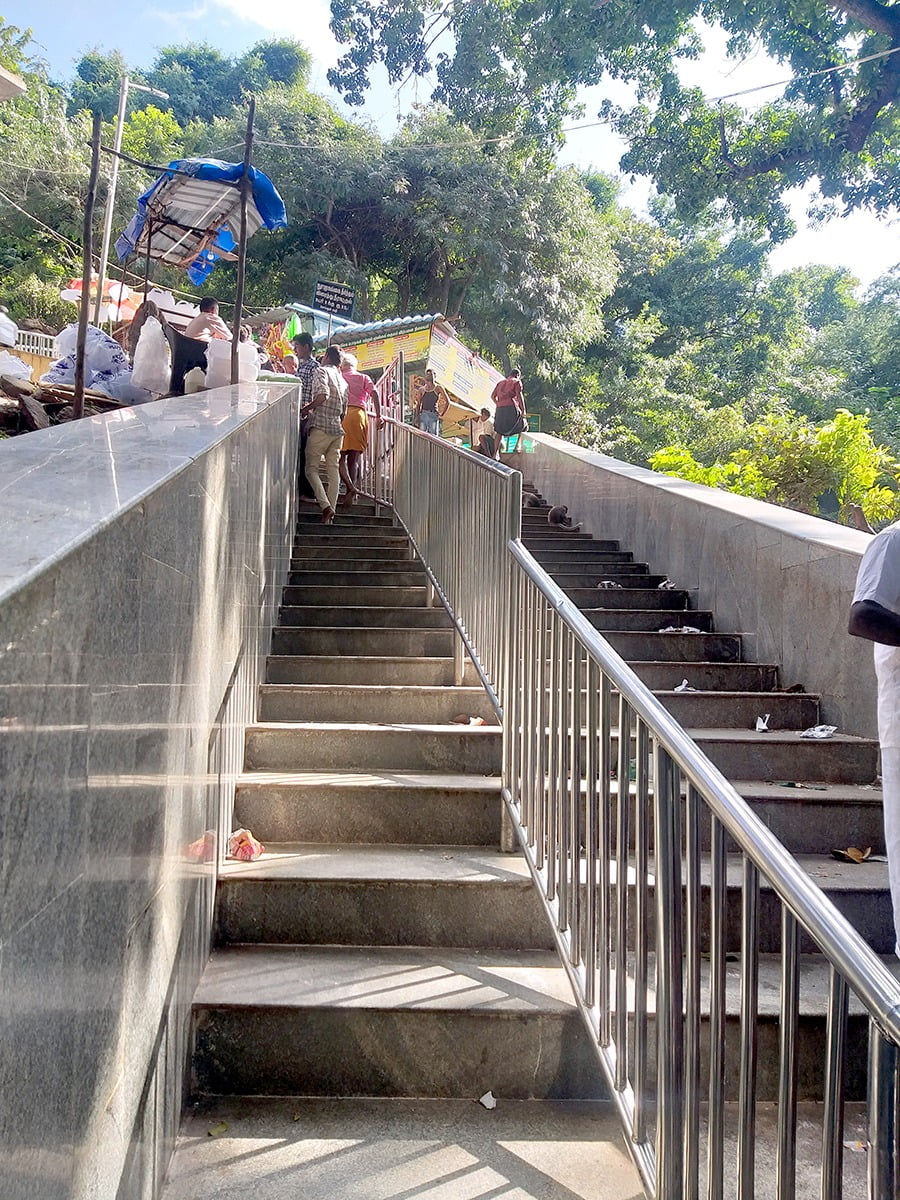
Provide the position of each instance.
(350, 538)
(353, 616)
(386, 1149)
(330, 702)
(811, 1028)
(309, 520)
(665, 600)
(430, 671)
(373, 597)
(808, 818)
(557, 539)
(586, 552)
(725, 676)
(739, 710)
(340, 895)
(320, 746)
(416, 643)
(582, 564)
(387, 574)
(395, 807)
(387, 1021)
(629, 575)
(675, 647)
(311, 551)
(649, 620)
(783, 754)
(859, 890)
(816, 818)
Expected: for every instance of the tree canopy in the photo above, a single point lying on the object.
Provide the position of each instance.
(514, 66)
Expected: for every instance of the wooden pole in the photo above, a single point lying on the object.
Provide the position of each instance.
(242, 245)
(78, 397)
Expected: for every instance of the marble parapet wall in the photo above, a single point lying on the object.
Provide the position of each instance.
(142, 556)
(781, 578)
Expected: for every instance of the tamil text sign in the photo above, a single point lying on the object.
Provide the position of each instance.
(334, 298)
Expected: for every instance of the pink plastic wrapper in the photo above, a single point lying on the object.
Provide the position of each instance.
(243, 846)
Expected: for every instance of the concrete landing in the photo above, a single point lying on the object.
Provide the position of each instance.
(388, 1149)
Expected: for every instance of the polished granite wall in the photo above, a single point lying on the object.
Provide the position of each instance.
(142, 556)
(783, 579)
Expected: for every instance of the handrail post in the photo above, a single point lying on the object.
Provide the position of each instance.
(669, 989)
(882, 1099)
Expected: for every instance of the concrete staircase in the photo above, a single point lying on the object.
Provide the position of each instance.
(383, 947)
(384, 964)
(816, 796)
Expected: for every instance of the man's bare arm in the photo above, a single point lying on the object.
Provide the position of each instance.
(874, 623)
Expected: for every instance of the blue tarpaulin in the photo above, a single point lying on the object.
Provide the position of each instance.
(190, 216)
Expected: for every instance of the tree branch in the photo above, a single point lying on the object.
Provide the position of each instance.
(871, 15)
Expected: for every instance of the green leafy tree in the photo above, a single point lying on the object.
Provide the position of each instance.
(820, 469)
(14, 47)
(98, 76)
(514, 66)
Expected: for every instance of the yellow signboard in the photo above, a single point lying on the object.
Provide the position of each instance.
(383, 351)
(461, 370)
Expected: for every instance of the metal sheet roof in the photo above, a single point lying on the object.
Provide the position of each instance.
(190, 217)
(376, 329)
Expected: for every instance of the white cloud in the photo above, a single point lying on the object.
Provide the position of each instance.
(307, 22)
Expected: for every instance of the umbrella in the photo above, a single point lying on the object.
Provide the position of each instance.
(118, 301)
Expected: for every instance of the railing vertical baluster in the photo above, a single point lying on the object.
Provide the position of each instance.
(882, 1113)
(715, 1170)
(692, 995)
(603, 843)
(576, 773)
(564, 759)
(641, 932)
(749, 1030)
(835, 1065)
(555, 734)
(530, 711)
(787, 1066)
(623, 801)
(543, 682)
(669, 958)
(591, 804)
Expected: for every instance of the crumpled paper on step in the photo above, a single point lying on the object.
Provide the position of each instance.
(819, 732)
(243, 846)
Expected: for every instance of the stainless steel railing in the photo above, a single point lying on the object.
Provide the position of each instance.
(625, 825)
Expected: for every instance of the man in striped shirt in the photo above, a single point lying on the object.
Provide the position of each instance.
(326, 433)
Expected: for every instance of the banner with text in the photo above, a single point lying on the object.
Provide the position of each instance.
(461, 370)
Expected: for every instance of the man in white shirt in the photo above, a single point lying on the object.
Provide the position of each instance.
(484, 439)
(207, 324)
(875, 615)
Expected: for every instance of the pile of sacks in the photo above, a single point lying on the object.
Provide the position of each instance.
(106, 368)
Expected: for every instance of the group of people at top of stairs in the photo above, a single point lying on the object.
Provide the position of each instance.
(875, 615)
(431, 404)
(334, 401)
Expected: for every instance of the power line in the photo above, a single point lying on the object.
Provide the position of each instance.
(808, 75)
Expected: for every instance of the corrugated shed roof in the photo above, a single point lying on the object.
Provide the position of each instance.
(376, 329)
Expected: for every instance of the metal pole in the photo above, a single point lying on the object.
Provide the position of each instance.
(113, 182)
(242, 245)
(111, 197)
(78, 397)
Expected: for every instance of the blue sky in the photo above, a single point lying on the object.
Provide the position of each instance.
(62, 32)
